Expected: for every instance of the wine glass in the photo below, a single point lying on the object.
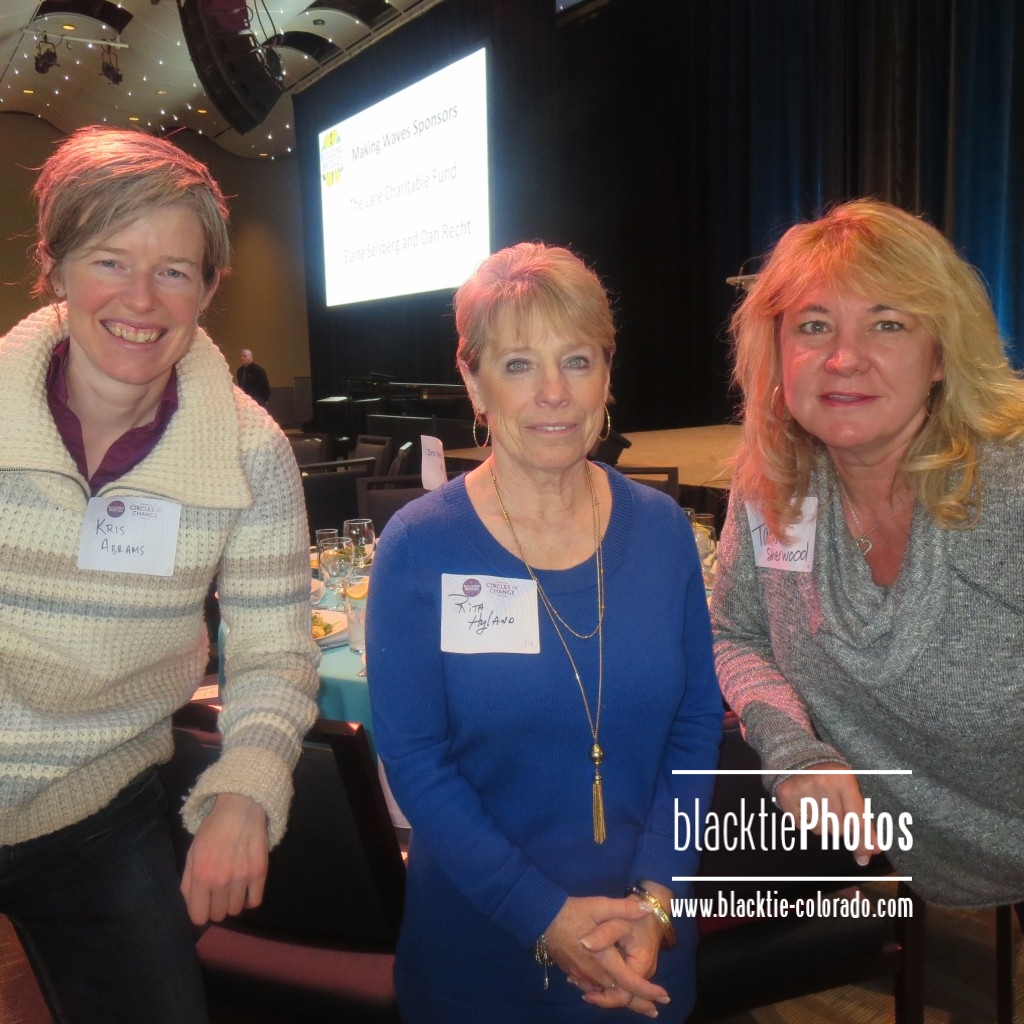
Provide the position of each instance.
(363, 537)
(335, 564)
(707, 547)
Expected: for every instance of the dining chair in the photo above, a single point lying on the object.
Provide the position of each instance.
(745, 962)
(380, 497)
(321, 944)
(376, 445)
(1004, 959)
(398, 463)
(329, 492)
(308, 448)
(663, 478)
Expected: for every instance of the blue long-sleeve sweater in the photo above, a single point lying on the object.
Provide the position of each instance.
(487, 753)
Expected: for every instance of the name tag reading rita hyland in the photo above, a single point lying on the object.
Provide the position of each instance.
(130, 534)
(488, 615)
(796, 552)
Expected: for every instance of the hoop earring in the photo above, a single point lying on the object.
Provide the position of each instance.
(607, 425)
(487, 438)
(782, 416)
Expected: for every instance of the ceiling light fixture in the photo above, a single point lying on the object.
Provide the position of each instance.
(46, 55)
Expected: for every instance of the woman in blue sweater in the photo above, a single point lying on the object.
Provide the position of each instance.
(540, 663)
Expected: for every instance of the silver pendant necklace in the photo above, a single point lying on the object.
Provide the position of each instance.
(863, 541)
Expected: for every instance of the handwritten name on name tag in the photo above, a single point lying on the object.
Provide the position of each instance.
(130, 534)
(796, 552)
(488, 615)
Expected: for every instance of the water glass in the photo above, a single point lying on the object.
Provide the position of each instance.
(335, 563)
(707, 547)
(363, 537)
(356, 587)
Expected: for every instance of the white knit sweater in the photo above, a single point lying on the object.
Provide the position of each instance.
(92, 664)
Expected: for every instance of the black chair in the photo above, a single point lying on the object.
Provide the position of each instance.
(329, 490)
(377, 446)
(1004, 960)
(398, 463)
(380, 497)
(748, 962)
(308, 448)
(662, 478)
(321, 945)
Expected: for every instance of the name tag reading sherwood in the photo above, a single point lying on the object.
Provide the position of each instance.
(488, 615)
(136, 535)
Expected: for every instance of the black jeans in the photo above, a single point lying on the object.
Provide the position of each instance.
(99, 912)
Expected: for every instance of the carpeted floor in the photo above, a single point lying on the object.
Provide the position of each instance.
(959, 982)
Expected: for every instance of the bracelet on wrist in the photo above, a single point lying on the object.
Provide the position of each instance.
(542, 955)
(668, 936)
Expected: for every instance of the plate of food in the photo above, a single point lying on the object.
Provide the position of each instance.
(330, 627)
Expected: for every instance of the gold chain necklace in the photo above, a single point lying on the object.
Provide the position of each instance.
(864, 542)
(593, 719)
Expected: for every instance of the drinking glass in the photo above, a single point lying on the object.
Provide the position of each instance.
(356, 587)
(707, 547)
(363, 538)
(335, 564)
(321, 537)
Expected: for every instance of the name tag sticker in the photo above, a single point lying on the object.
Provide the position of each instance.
(130, 534)
(796, 553)
(488, 615)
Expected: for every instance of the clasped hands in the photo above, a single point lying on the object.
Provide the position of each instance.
(609, 949)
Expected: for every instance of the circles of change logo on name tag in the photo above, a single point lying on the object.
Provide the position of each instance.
(130, 535)
(471, 587)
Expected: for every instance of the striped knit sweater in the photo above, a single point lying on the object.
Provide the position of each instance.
(92, 664)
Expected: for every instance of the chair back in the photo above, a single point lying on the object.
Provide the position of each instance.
(380, 497)
(376, 445)
(331, 496)
(338, 876)
(308, 448)
(662, 478)
(397, 467)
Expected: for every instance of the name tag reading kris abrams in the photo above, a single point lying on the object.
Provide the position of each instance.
(130, 534)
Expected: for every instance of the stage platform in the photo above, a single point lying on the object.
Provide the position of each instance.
(702, 454)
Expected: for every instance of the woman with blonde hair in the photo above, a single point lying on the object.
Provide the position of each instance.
(869, 601)
(540, 664)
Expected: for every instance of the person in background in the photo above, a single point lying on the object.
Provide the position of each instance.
(252, 379)
(539, 661)
(132, 473)
(869, 604)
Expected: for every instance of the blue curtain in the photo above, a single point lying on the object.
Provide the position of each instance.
(915, 101)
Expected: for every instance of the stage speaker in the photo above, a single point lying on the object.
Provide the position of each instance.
(234, 69)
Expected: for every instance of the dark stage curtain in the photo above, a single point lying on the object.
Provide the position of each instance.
(724, 121)
(913, 101)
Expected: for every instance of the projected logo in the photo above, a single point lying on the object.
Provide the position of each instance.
(332, 158)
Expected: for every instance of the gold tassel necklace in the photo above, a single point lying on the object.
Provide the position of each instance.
(593, 718)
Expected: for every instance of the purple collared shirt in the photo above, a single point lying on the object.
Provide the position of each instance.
(129, 449)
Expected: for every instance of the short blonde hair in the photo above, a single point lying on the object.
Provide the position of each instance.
(100, 179)
(882, 253)
(525, 286)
